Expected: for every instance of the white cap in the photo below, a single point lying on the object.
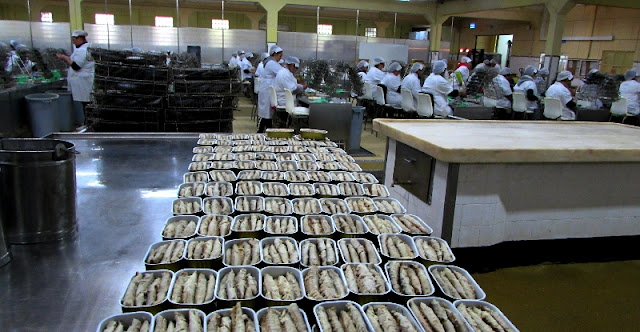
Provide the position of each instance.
(505, 71)
(249, 55)
(394, 67)
(362, 64)
(377, 60)
(79, 33)
(291, 60)
(465, 59)
(439, 67)
(275, 49)
(264, 56)
(564, 75)
(240, 52)
(416, 67)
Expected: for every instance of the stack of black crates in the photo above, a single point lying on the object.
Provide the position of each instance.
(202, 100)
(129, 91)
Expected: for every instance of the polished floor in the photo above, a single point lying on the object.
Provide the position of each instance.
(125, 189)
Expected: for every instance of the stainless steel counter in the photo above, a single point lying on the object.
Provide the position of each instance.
(124, 194)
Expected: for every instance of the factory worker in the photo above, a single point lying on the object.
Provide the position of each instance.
(503, 88)
(233, 62)
(440, 88)
(392, 80)
(541, 80)
(260, 67)
(246, 67)
(527, 86)
(80, 75)
(411, 82)
(560, 90)
(483, 64)
(464, 69)
(285, 80)
(375, 73)
(630, 89)
(494, 64)
(363, 67)
(13, 60)
(271, 69)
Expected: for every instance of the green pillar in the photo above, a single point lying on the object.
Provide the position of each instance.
(75, 15)
(272, 7)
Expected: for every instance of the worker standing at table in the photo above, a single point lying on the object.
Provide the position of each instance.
(80, 75)
(363, 67)
(440, 88)
(464, 70)
(233, 62)
(285, 80)
(271, 69)
(503, 88)
(560, 90)
(527, 86)
(411, 82)
(392, 80)
(260, 66)
(630, 89)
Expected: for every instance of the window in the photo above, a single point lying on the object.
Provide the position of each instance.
(220, 24)
(164, 21)
(106, 19)
(370, 32)
(46, 17)
(325, 29)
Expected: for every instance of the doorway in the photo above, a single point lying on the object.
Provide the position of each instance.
(496, 44)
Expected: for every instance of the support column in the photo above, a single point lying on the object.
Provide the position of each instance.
(272, 7)
(558, 10)
(255, 20)
(435, 34)
(75, 15)
(381, 28)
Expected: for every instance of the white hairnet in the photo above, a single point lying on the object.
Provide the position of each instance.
(249, 55)
(630, 74)
(275, 49)
(240, 52)
(291, 60)
(543, 71)
(264, 56)
(79, 33)
(465, 59)
(530, 71)
(505, 71)
(394, 67)
(564, 75)
(363, 64)
(377, 60)
(492, 62)
(416, 67)
(486, 62)
(14, 43)
(234, 53)
(439, 67)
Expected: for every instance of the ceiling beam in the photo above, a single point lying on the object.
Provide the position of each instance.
(459, 7)
(371, 5)
(612, 3)
(506, 14)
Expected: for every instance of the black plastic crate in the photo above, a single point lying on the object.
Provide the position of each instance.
(197, 114)
(223, 126)
(144, 73)
(128, 57)
(200, 101)
(110, 99)
(226, 87)
(137, 87)
(123, 114)
(202, 74)
(122, 126)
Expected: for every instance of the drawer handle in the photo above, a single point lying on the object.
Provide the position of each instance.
(410, 160)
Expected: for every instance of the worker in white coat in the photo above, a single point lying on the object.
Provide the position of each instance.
(527, 85)
(260, 67)
(503, 88)
(80, 75)
(560, 90)
(440, 88)
(271, 69)
(363, 67)
(392, 80)
(285, 80)
(464, 70)
(375, 73)
(233, 62)
(13, 60)
(630, 89)
(246, 68)
(411, 82)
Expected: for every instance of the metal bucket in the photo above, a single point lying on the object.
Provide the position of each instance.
(38, 189)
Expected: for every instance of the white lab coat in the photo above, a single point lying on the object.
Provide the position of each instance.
(233, 62)
(13, 61)
(392, 82)
(503, 89)
(260, 69)
(81, 81)
(362, 76)
(269, 73)
(439, 87)
(558, 90)
(285, 80)
(464, 71)
(374, 76)
(411, 82)
(245, 65)
(524, 87)
(631, 91)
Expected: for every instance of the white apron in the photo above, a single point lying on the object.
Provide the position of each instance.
(269, 73)
(81, 81)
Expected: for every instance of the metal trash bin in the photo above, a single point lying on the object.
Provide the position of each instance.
(38, 189)
(5, 254)
(355, 132)
(65, 109)
(43, 113)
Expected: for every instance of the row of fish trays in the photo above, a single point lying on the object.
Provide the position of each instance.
(134, 72)
(102, 55)
(136, 87)
(313, 177)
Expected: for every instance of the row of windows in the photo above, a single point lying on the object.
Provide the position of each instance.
(167, 21)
